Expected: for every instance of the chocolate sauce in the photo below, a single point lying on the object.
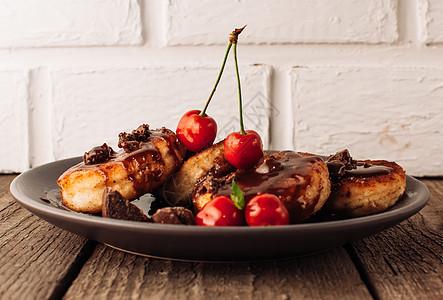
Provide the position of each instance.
(99, 154)
(286, 174)
(174, 215)
(145, 163)
(54, 197)
(365, 169)
(146, 158)
(339, 163)
(342, 165)
(147, 203)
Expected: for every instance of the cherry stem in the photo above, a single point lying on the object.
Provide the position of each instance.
(242, 129)
(202, 114)
(233, 37)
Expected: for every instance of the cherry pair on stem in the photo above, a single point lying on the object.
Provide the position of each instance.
(261, 210)
(197, 131)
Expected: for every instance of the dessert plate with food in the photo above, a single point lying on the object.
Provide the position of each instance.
(177, 195)
(330, 201)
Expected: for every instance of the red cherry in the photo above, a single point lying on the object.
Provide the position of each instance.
(196, 132)
(220, 211)
(243, 150)
(266, 209)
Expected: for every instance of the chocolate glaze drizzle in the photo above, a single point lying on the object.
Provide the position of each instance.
(342, 165)
(365, 169)
(286, 174)
(139, 156)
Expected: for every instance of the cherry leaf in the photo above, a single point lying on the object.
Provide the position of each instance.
(237, 196)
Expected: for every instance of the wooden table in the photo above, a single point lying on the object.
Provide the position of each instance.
(41, 261)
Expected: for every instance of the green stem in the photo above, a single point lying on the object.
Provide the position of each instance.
(202, 114)
(242, 129)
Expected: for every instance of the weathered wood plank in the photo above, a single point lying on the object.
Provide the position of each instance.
(5, 181)
(35, 256)
(406, 261)
(110, 273)
(326, 275)
(113, 274)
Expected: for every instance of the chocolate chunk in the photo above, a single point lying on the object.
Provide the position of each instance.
(99, 154)
(220, 174)
(343, 156)
(221, 167)
(174, 215)
(339, 163)
(134, 140)
(116, 206)
(210, 184)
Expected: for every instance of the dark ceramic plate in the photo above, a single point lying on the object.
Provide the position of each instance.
(203, 243)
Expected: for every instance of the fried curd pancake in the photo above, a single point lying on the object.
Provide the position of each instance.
(300, 180)
(363, 187)
(177, 190)
(147, 159)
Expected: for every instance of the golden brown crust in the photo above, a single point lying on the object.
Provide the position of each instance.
(178, 188)
(354, 196)
(132, 174)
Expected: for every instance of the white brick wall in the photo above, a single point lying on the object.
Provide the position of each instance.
(87, 105)
(27, 23)
(14, 119)
(283, 21)
(317, 75)
(372, 111)
(431, 21)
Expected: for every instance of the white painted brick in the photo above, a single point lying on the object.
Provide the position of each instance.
(283, 21)
(14, 156)
(430, 25)
(387, 113)
(27, 23)
(93, 106)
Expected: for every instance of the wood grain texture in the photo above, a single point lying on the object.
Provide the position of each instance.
(5, 181)
(326, 275)
(35, 256)
(406, 261)
(113, 274)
